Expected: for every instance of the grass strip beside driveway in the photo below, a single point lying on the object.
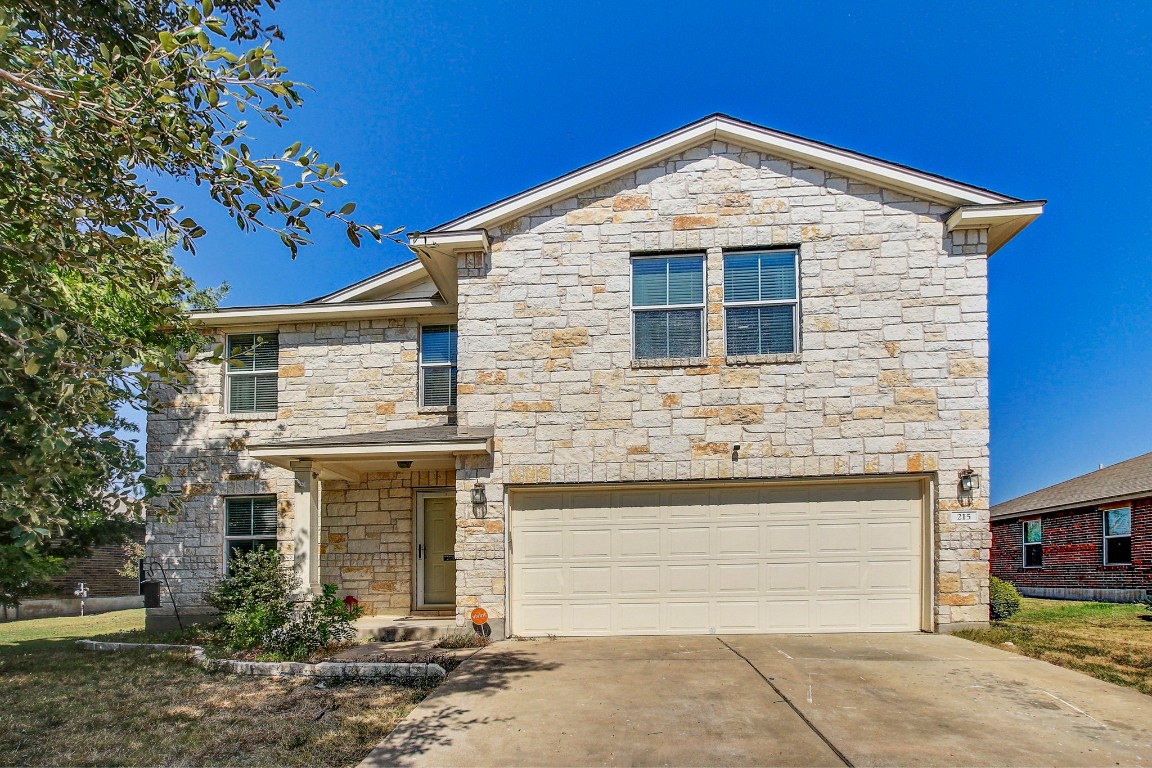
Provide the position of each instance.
(1110, 641)
(63, 706)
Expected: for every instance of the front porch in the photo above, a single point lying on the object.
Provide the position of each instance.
(376, 515)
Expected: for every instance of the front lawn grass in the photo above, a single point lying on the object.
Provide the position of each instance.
(63, 706)
(1111, 641)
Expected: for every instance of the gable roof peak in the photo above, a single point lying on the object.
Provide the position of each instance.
(723, 127)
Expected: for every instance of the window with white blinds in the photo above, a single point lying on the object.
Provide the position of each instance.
(249, 524)
(761, 303)
(438, 366)
(667, 306)
(253, 359)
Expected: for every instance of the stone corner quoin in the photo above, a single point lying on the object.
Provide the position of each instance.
(891, 378)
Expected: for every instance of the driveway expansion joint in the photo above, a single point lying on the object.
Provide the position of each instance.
(812, 726)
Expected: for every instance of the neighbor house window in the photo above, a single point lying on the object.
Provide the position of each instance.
(253, 359)
(761, 304)
(1118, 536)
(249, 524)
(438, 366)
(667, 306)
(1033, 548)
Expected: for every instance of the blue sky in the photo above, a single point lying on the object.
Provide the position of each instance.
(435, 109)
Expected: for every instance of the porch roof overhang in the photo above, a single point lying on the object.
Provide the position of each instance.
(350, 457)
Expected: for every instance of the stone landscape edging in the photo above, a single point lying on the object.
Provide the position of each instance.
(325, 669)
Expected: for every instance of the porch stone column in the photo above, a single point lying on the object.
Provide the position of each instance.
(306, 525)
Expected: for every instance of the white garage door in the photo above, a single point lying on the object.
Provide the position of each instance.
(683, 559)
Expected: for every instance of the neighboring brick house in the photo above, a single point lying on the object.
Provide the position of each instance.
(723, 381)
(100, 573)
(1088, 538)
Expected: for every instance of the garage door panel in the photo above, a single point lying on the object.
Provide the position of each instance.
(891, 575)
(890, 614)
(688, 542)
(639, 579)
(737, 540)
(893, 537)
(788, 577)
(842, 614)
(738, 577)
(838, 577)
(733, 616)
(588, 582)
(686, 579)
(786, 615)
(590, 543)
(817, 558)
(783, 539)
(640, 542)
(838, 537)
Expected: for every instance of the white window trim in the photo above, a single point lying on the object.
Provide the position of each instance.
(702, 305)
(1025, 543)
(275, 538)
(230, 373)
(421, 365)
(794, 303)
(1106, 537)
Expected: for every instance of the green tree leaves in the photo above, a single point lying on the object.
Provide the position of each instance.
(95, 97)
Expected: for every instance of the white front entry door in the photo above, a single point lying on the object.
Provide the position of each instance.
(678, 558)
(435, 550)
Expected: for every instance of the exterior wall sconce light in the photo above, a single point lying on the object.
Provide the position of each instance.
(736, 453)
(969, 480)
(404, 464)
(479, 500)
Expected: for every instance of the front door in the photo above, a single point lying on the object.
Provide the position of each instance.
(435, 550)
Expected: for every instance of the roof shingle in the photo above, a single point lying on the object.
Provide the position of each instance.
(1128, 479)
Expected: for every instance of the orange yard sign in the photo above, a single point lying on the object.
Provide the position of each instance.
(479, 616)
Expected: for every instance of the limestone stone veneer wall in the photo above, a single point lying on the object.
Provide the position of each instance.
(334, 379)
(366, 536)
(891, 378)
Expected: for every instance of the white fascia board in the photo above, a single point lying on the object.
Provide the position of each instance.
(852, 164)
(437, 253)
(304, 313)
(400, 275)
(979, 216)
(361, 452)
(454, 241)
(1003, 221)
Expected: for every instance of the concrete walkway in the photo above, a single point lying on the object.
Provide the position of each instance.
(909, 699)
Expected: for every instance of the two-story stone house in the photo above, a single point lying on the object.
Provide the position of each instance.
(725, 381)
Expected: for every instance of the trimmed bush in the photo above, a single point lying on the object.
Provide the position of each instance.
(1004, 600)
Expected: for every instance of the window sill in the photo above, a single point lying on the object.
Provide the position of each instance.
(261, 416)
(672, 362)
(1116, 566)
(436, 409)
(783, 357)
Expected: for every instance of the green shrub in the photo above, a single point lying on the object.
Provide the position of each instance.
(1004, 600)
(261, 610)
(317, 623)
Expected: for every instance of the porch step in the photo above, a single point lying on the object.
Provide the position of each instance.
(389, 629)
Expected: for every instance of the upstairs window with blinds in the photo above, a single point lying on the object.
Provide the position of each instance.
(249, 524)
(253, 359)
(438, 366)
(667, 307)
(761, 303)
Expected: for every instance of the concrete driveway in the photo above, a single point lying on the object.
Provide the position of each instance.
(908, 699)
